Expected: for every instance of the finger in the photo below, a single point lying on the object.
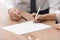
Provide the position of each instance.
(34, 14)
(56, 26)
(36, 18)
(11, 12)
(15, 18)
(17, 11)
(37, 21)
(16, 14)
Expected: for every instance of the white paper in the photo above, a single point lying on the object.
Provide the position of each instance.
(26, 27)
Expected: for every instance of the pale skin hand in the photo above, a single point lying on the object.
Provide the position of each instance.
(45, 17)
(57, 26)
(14, 14)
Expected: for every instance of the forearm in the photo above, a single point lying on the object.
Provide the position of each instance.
(50, 17)
(26, 15)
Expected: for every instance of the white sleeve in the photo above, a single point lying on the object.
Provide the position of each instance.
(55, 8)
(58, 15)
(10, 4)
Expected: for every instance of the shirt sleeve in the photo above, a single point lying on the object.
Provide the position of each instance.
(55, 8)
(58, 15)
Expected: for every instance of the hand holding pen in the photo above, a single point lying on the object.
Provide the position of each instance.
(36, 15)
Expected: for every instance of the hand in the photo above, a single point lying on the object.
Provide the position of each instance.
(14, 14)
(45, 17)
(39, 18)
(57, 26)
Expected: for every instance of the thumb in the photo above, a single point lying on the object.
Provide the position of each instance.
(33, 14)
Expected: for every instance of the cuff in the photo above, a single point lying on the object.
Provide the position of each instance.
(58, 15)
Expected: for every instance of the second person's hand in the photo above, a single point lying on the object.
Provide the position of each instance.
(14, 14)
(57, 26)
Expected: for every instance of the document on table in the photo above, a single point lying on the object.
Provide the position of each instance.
(26, 27)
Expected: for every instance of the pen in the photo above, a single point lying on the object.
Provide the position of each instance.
(24, 18)
(38, 12)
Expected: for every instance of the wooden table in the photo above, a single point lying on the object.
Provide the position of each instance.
(47, 34)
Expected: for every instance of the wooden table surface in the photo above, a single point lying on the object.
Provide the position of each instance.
(47, 34)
